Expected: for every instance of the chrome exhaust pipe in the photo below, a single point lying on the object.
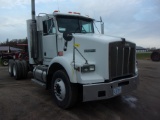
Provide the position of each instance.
(34, 37)
(33, 13)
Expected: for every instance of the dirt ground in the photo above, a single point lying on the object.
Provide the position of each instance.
(24, 100)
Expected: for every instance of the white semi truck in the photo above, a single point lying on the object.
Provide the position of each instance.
(67, 57)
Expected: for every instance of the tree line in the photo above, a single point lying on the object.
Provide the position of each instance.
(14, 42)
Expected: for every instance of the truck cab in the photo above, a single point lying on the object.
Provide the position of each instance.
(74, 62)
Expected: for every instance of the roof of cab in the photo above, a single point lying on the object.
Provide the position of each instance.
(71, 14)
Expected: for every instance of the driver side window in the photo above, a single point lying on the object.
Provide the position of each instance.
(49, 27)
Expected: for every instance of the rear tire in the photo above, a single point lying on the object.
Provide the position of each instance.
(10, 67)
(17, 70)
(24, 69)
(64, 93)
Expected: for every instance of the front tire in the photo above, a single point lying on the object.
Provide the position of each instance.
(64, 93)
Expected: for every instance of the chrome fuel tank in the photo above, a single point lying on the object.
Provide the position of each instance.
(39, 73)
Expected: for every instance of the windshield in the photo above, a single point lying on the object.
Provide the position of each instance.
(74, 24)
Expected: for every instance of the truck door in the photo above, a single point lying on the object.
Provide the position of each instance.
(49, 41)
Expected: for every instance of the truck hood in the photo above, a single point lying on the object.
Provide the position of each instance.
(96, 50)
(91, 46)
(100, 37)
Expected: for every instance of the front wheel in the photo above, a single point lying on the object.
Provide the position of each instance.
(64, 93)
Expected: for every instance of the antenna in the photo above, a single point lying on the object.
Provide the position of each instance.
(58, 4)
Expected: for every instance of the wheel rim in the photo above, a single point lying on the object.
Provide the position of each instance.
(59, 89)
(5, 63)
(14, 70)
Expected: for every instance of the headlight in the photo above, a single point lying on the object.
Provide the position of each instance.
(87, 68)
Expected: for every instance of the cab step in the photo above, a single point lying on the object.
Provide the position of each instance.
(39, 82)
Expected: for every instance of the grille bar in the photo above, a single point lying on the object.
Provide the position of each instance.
(121, 59)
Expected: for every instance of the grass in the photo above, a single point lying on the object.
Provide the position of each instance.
(143, 56)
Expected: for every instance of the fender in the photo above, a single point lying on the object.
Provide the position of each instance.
(67, 65)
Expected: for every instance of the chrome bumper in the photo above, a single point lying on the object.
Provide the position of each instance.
(106, 90)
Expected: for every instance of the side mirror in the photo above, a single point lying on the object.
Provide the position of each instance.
(67, 36)
(102, 25)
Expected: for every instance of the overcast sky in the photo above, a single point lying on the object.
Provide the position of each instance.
(136, 20)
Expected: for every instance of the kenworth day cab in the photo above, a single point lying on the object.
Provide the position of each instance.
(68, 58)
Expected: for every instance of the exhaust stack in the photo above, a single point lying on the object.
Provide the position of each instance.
(34, 37)
(33, 13)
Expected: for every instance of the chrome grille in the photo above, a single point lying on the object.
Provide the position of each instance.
(121, 60)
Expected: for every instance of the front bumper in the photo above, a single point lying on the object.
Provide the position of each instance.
(107, 90)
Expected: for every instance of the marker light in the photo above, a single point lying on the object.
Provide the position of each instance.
(56, 11)
(76, 13)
